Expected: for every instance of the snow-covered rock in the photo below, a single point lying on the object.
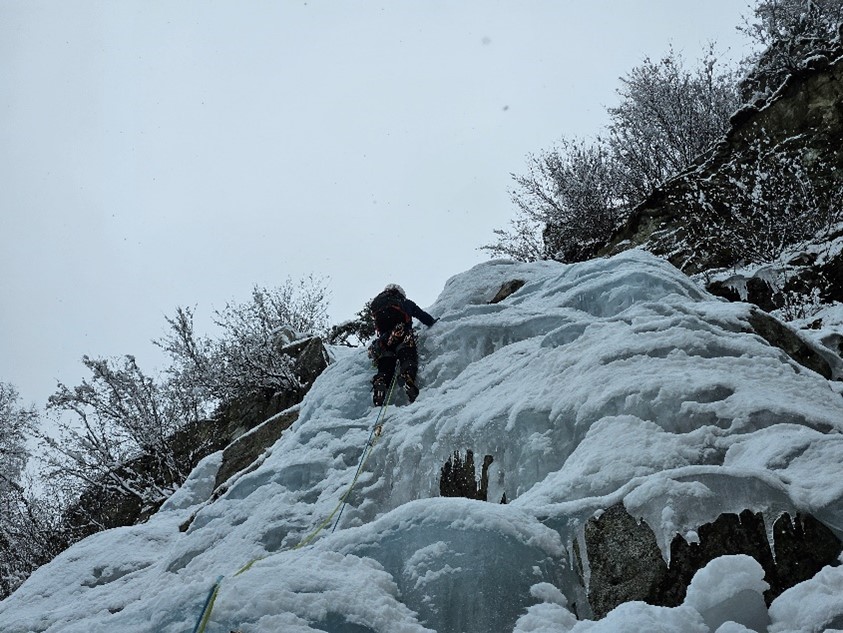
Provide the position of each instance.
(615, 381)
(730, 589)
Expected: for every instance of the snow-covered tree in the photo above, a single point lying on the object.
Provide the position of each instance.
(354, 332)
(16, 547)
(668, 116)
(569, 203)
(574, 196)
(776, 20)
(33, 530)
(248, 358)
(119, 430)
(788, 32)
(16, 422)
(119, 437)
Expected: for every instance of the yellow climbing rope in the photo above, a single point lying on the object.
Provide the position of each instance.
(374, 435)
(209, 606)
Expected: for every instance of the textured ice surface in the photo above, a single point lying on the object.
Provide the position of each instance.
(615, 380)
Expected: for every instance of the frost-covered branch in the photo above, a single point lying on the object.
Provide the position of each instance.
(247, 358)
(574, 196)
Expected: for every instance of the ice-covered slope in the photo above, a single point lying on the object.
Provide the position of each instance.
(609, 381)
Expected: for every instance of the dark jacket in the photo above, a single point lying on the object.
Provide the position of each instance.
(389, 309)
(415, 311)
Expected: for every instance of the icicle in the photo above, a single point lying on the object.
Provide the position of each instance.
(662, 524)
(582, 564)
(666, 533)
(769, 526)
(738, 283)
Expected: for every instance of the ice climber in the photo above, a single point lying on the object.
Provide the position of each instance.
(395, 342)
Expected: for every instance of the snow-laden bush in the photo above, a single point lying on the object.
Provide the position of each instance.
(574, 196)
(119, 447)
(789, 32)
(16, 422)
(247, 358)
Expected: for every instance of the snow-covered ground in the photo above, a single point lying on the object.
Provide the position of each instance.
(615, 380)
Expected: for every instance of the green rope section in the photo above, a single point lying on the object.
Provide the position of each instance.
(209, 606)
(376, 431)
(374, 434)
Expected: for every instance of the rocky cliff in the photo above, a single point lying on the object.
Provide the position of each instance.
(764, 205)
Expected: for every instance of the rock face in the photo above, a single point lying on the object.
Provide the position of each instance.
(779, 335)
(690, 220)
(309, 360)
(626, 563)
(246, 449)
(814, 271)
(507, 289)
(457, 477)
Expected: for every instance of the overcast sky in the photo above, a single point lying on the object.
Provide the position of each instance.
(157, 154)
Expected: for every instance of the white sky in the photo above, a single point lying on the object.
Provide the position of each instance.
(157, 153)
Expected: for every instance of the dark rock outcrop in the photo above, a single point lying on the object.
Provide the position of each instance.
(814, 271)
(779, 335)
(626, 563)
(309, 360)
(246, 449)
(800, 125)
(755, 290)
(458, 477)
(507, 289)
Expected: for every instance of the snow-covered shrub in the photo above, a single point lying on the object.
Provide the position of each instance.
(571, 194)
(789, 32)
(120, 438)
(16, 422)
(354, 332)
(248, 358)
(668, 116)
(575, 195)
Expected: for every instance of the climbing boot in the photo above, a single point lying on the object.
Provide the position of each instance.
(410, 387)
(378, 391)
